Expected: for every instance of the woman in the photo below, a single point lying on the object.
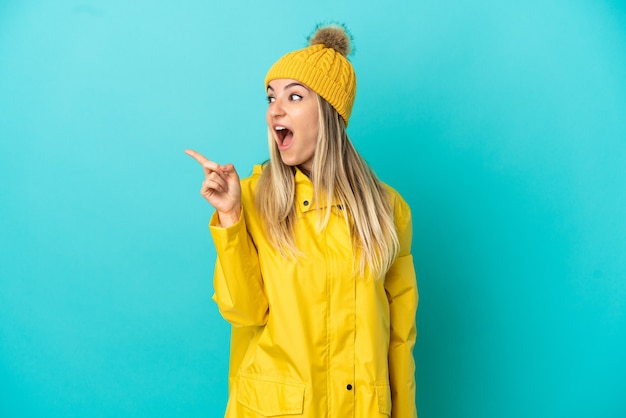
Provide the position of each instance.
(314, 270)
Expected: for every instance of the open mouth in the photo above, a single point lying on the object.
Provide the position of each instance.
(284, 137)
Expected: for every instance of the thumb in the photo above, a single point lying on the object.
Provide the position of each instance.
(230, 172)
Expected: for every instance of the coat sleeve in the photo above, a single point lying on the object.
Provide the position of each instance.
(237, 279)
(401, 287)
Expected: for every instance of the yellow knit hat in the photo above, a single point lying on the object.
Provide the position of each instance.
(323, 67)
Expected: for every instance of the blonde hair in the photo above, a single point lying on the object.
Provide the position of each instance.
(340, 174)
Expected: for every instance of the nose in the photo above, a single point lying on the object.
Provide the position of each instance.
(275, 109)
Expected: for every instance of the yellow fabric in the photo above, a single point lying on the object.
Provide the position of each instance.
(323, 70)
(302, 331)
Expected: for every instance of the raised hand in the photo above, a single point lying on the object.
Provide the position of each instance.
(220, 188)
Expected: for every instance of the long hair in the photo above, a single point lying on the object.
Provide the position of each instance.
(340, 174)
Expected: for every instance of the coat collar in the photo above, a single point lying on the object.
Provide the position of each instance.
(305, 196)
(304, 191)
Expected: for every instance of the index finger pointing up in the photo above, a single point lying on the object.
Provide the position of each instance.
(207, 164)
(196, 156)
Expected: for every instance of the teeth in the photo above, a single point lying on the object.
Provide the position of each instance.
(280, 128)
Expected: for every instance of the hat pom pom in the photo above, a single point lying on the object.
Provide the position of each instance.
(335, 36)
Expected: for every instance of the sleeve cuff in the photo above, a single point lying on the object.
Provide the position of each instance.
(224, 236)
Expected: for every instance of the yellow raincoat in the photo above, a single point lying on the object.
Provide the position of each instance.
(308, 339)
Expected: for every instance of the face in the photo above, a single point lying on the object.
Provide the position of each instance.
(292, 116)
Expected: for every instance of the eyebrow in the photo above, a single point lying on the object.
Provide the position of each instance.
(294, 84)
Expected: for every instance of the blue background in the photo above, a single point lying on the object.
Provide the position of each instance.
(503, 123)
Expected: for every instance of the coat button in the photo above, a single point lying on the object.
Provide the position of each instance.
(349, 387)
(306, 203)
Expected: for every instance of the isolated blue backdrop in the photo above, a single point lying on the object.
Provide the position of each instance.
(502, 123)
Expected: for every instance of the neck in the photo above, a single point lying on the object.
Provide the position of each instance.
(305, 171)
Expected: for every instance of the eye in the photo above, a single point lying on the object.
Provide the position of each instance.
(295, 97)
(271, 99)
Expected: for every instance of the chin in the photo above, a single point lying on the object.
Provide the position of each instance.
(290, 161)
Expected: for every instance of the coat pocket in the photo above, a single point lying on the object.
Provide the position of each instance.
(383, 393)
(270, 398)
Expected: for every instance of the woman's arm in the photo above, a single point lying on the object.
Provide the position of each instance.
(237, 279)
(401, 287)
